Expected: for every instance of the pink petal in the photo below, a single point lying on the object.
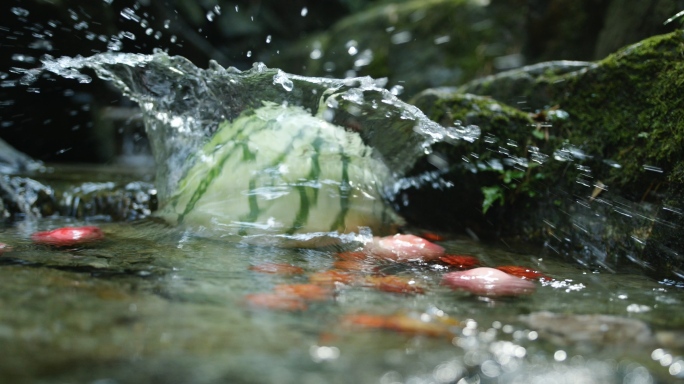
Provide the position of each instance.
(403, 248)
(488, 282)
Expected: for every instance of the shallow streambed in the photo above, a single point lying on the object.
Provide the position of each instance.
(154, 304)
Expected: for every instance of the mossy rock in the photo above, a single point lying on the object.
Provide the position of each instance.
(613, 135)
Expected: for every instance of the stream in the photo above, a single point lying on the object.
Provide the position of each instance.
(199, 292)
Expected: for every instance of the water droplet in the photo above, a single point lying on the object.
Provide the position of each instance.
(653, 168)
(23, 58)
(560, 355)
(149, 31)
(217, 9)
(210, 16)
(316, 54)
(363, 59)
(282, 79)
(127, 35)
(21, 12)
(115, 44)
(329, 66)
(249, 53)
(129, 14)
(158, 35)
(237, 9)
(401, 37)
(81, 26)
(173, 38)
(259, 67)
(268, 39)
(397, 90)
(167, 24)
(304, 11)
(442, 39)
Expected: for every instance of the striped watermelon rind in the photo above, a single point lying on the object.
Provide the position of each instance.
(280, 170)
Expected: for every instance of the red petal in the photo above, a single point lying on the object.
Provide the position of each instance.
(68, 236)
(523, 272)
(460, 261)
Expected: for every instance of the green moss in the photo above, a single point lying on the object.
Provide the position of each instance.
(622, 121)
(629, 108)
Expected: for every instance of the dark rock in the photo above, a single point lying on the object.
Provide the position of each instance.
(415, 44)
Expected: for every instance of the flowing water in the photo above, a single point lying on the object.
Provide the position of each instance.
(154, 304)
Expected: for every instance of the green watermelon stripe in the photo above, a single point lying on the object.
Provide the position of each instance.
(303, 213)
(254, 210)
(315, 173)
(345, 189)
(212, 174)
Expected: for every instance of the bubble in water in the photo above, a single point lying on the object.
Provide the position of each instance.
(173, 38)
(108, 1)
(282, 79)
(149, 31)
(21, 12)
(167, 24)
(217, 9)
(249, 53)
(210, 16)
(268, 39)
(304, 11)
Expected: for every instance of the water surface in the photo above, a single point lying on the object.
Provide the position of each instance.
(153, 303)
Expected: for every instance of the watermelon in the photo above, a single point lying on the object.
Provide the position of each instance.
(280, 170)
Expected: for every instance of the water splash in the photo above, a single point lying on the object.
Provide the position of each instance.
(183, 107)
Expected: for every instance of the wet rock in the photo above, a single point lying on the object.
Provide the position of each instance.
(110, 201)
(626, 25)
(22, 196)
(585, 161)
(590, 330)
(13, 161)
